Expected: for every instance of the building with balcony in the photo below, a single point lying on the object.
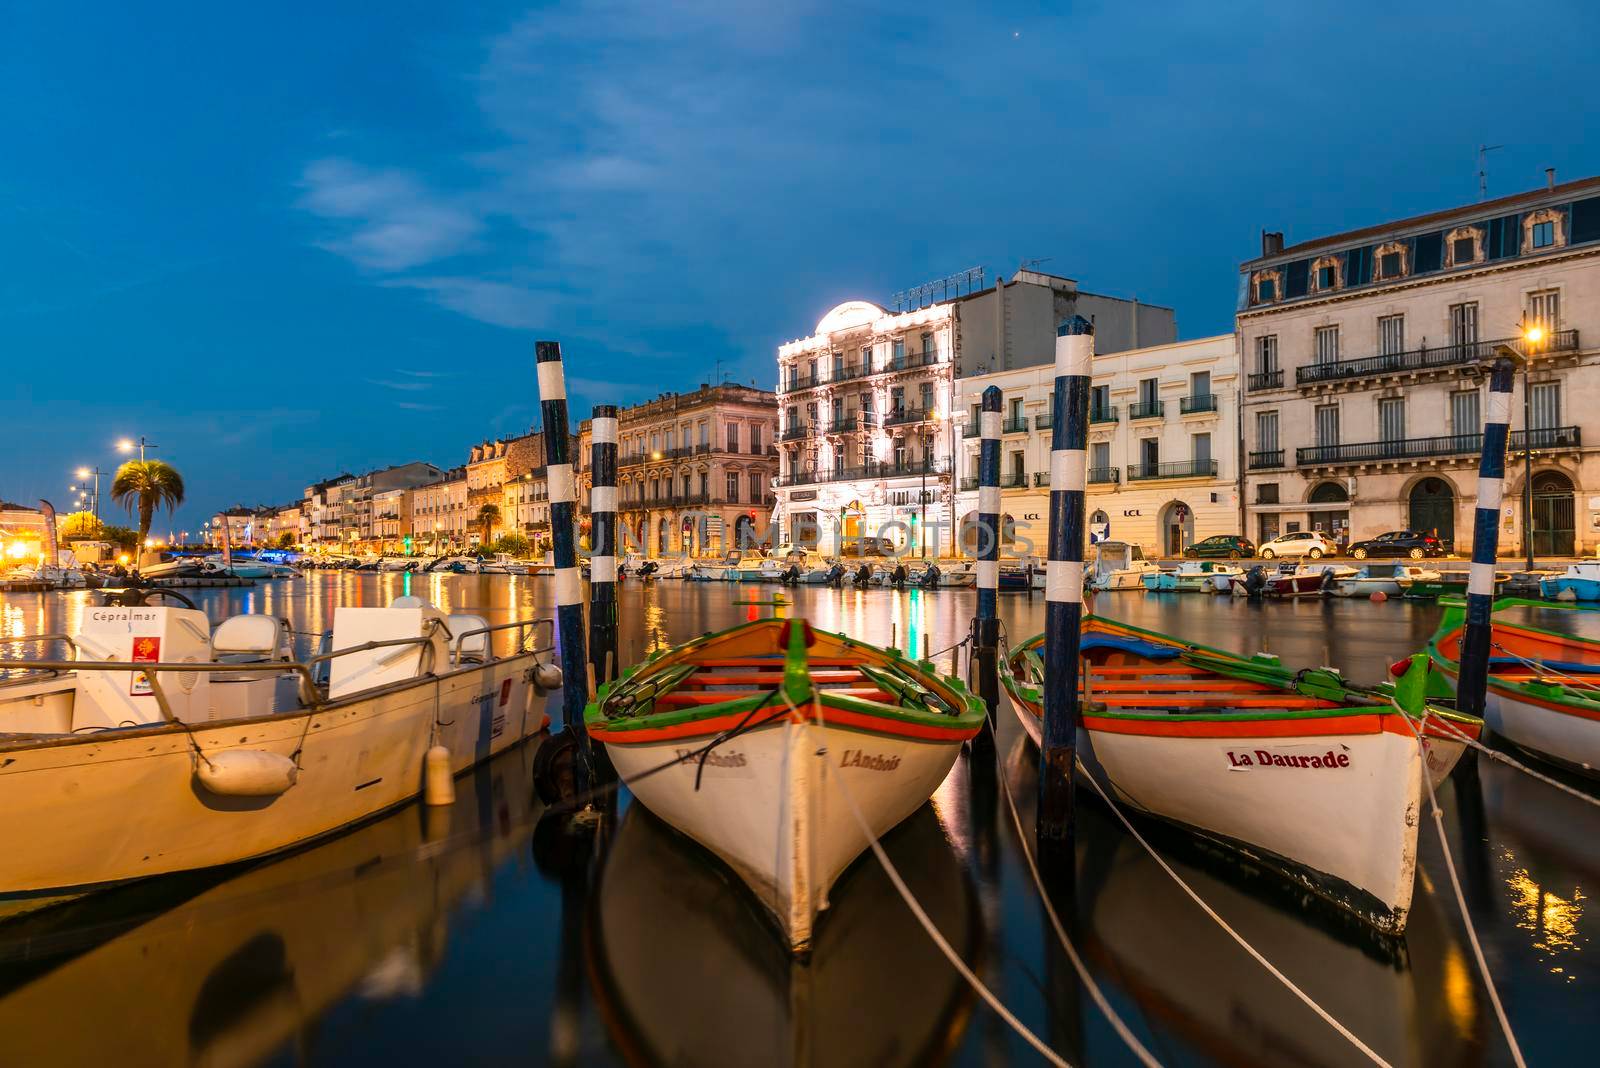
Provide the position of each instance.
(694, 470)
(867, 436)
(1163, 446)
(439, 513)
(1363, 355)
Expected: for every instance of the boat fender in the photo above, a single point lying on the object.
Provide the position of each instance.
(1378, 597)
(1567, 594)
(247, 773)
(438, 784)
(532, 704)
(547, 677)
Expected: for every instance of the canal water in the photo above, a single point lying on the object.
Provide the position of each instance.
(483, 934)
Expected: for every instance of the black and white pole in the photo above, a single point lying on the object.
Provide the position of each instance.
(986, 640)
(1063, 591)
(1473, 682)
(603, 543)
(569, 585)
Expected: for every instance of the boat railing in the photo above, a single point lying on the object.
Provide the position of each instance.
(525, 628)
(311, 695)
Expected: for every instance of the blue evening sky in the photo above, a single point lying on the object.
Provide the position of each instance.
(288, 239)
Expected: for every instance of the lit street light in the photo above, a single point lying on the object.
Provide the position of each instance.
(128, 445)
(1533, 335)
(85, 473)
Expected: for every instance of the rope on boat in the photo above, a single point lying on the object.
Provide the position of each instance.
(1272, 969)
(1461, 900)
(921, 915)
(1123, 1031)
(1545, 669)
(1511, 761)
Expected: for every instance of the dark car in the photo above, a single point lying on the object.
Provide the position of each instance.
(1231, 546)
(1408, 543)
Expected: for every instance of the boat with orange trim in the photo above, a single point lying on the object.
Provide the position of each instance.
(759, 741)
(1300, 772)
(1544, 686)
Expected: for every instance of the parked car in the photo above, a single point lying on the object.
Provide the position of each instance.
(1409, 543)
(1232, 546)
(1301, 544)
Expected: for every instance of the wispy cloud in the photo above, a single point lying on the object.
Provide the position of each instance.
(391, 384)
(387, 220)
(415, 406)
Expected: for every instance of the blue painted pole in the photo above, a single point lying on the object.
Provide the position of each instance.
(986, 640)
(603, 543)
(1473, 683)
(569, 585)
(1063, 592)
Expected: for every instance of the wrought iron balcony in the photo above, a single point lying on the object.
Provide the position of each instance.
(1013, 480)
(1145, 410)
(969, 483)
(1543, 438)
(1272, 379)
(802, 382)
(798, 432)
(1175, 469)
(1019, 425)
(1108, 414)
(1200, 402)
(971, 430)
(874, 470)
(843, 424)
(903, 416)
(1266, 459)
(1426, 359)
(1044, 422)
(1101, 476)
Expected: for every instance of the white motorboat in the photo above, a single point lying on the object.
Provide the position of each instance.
(1391, 581)
(246, 567)
(724, 570)
(1118, 565)
(233, 751)
(1193, 576)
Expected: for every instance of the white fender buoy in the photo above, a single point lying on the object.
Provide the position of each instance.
(1567, 594)
(1378, 597)
(438, 784)
(547, 677)
(247, 773)
(534, 717)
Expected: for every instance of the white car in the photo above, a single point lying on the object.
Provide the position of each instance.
(1299, 544)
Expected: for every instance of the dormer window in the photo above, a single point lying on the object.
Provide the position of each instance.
(1463, 246)
(1266, 286)
(1543, 229)
(1325, 274)
(1390, 260)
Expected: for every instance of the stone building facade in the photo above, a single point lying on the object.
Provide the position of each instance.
(439, 512)
(1163, 447)
(1364, 355)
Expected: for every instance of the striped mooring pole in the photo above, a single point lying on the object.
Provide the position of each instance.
(569, 586)
(1473, 683)
(1063, 591)
(986, 637)
(603, 543)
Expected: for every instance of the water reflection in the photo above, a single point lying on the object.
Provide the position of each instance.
(687, 969)
(242, 969)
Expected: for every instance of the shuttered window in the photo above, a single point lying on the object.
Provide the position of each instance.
(1464, 325)
(1544, 308)
(1546, 404)
(1327, 344)
(1392, 419)
(1266, 431)
(1391, 335)
(1327, 424)
(1464, 412)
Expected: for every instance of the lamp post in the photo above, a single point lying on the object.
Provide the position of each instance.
(128, 445)
(95, 473)
(1533, 336)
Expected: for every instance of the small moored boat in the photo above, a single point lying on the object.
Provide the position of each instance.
(1297, 771)
(1391, 582)
(1580, 583)
(735, 739)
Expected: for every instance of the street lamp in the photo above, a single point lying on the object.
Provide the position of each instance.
(86, 473)
(128, 445)
(1533, 336)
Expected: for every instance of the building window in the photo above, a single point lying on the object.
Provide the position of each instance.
(733, 437)
(899, 352)
(1327, 424)
(1267, 493)
(1266, 354)
(925, 397)
(1327, 344)
(755, 439)
(811, 372)
(1100, 455)
(1464, 413)
(1327, 276)
(1099, 402)
(1266, 431)
(1017, 470)
(1543, 229)
(1391, 335)
(1149, 393)
(1392, 419)
(866, 359)
(927, 344)
(1266, 289)
(900, 452)
(757, 489)
(1544, 234)
(1464, 325)
(1544, 308)
(1545, 400)
(1391, 261)
(1200, 384)
(1200, 450)
(1014, 409)
(733, 487)
(1463, 250)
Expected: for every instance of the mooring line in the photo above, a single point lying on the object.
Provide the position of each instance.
(1510, 761)
(1272, 969)
(1117, 1024)
(1461, 900)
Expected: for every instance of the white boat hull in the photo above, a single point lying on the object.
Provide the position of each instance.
(1348, 831)
(1560, 736)
(69, 798)
(767, 806)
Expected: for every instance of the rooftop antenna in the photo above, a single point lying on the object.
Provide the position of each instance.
(1028, 265)
(1483, 169)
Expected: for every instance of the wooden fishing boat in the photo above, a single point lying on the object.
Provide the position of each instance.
(1544, 686)
(1390, 582)
(1298, 771)
(734, 739)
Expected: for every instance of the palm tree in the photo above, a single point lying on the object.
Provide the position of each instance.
(146, 485)
(488, 515)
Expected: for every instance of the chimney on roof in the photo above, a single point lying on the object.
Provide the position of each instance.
(1271, 242)
(1549, 177)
